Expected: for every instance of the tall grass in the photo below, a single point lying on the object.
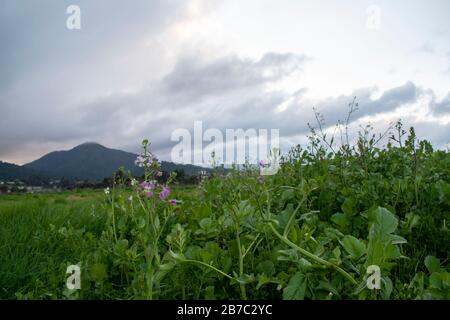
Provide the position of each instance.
(39, 237)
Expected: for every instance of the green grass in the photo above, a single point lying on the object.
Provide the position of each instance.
(40, 235)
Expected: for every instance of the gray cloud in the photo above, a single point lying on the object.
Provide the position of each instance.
(440, 107)
(61, 87)
(193, 78)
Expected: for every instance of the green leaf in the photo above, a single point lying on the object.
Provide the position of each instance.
(382, 221)
(156, 222)
(205, 223)
(433, 264)
(246, 279)
(387, 288)
(337, 253)
(266, 267)
(395, 239)
(353, 246)
(287, 195)
(141, 223)
(340, 219)
(177, 256)
(166, 266)
(412, 220)
(349, 207)
(436, 280)
(296, 288)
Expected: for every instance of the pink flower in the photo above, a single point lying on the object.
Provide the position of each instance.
(164, 193)
(143, 184)
(150, 194)
(262, 164)
(148, 185)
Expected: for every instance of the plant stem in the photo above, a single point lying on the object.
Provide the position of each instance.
(209, 266)
(312, 256)
(241, 266)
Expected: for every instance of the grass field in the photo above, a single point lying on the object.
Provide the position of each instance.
(41, 234)
(312, 231)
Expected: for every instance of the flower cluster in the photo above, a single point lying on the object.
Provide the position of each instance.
(149, 162)
(152, 169)
(150, 187)
(262, 164)
(145, 160)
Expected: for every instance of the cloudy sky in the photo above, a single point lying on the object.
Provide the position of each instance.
(145, 68)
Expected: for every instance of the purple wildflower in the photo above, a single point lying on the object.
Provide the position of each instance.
(262, 164)
(150, 194)
(173, 202)
(148, 185)
(164, 193)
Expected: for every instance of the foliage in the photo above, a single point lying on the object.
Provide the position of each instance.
(308, 232)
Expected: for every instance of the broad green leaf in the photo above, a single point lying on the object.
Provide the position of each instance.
(296, 288)
(340, 219)
(383, 221)
(353, 246)
(433, 264)
(436, 280)
(375, 253)
(349, 207)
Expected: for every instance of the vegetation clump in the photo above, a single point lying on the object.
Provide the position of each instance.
(309, 232)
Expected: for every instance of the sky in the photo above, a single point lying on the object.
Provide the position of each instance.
(146, 68)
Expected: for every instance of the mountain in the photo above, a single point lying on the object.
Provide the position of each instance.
(92, 161)
(10, 172)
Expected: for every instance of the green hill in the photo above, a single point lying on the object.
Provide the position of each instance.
(92, 161)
